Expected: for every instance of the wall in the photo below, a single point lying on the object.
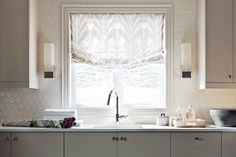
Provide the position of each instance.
(18, 104)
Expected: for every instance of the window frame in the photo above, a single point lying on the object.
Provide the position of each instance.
(167, 9)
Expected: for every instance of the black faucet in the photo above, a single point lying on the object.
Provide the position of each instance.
(117, 105)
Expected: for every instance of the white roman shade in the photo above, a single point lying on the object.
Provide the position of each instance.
(117, 40)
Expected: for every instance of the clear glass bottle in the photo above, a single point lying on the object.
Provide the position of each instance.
(190, 114)
(179, 114)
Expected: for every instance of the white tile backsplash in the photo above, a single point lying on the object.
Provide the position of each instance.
(26, 104)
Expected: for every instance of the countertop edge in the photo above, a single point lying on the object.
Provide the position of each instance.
(171, 129)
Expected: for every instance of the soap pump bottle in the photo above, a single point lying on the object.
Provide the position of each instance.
(190, 114)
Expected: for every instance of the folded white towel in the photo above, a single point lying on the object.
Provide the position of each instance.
(60, 112)
(57, 117)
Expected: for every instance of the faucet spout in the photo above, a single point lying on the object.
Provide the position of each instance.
(117, 105)
(109, 98)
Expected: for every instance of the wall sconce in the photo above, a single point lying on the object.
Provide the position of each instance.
(186, 60)
(49, 60)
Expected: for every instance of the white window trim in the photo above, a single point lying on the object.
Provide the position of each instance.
(67, 9)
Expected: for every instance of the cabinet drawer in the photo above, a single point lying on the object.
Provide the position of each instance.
(196, 144)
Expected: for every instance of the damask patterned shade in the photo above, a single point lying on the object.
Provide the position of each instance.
(113, 40)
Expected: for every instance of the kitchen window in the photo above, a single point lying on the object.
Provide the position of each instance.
(126, 49)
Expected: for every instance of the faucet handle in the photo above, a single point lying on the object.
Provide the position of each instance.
(123, 116)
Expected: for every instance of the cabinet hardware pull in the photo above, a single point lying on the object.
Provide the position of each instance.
(5, 138)
(14, 138)
(199, 138)
(115, 138)
(123, 138)
(230, 76)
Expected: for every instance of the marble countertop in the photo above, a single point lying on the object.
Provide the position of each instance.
(137, 128)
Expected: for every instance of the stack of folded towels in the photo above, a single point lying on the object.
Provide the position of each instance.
(53, 118)
(59, 114)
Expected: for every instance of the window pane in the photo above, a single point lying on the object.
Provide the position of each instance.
(144, 86)
(91, 85)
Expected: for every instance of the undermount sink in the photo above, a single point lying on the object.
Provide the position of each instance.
(115, 126)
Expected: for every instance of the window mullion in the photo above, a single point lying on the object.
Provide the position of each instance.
(118, 84)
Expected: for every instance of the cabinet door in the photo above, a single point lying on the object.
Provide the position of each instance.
(219, 44)
(90, 145)
(144, 145)
(14, 38)
(234, 39)
(5, 144)
(228, 144)
(37, 144)
(196, 144)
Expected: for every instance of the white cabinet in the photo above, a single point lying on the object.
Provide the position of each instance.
(90, 144)
(219, 33)
(5, 144)
(215, 43)
(196, 144)
(228, 144)
(216, 50)
(117, 145)
(18, 43)
(31, 144)
(37, 145)
(144, 145)
(234, 40)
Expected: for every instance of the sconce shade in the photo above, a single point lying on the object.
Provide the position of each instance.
(49, 50)
(186, 58)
